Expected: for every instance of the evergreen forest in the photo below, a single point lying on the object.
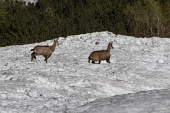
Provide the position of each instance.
(49, 19)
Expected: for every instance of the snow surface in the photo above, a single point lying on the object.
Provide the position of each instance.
(28, 1)
(153, 101)
(136, 81)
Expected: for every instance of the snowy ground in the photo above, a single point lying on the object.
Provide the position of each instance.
(28, 1)
(68, 83)
(31, 1)
(153, 101)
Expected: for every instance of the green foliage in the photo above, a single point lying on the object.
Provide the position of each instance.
(48, 19)
(147, 18)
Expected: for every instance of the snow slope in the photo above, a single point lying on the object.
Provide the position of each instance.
(29, 1)
(153, 101)
(68, 81)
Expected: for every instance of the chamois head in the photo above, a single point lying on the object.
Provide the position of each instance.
(56, 42)
(110, 46)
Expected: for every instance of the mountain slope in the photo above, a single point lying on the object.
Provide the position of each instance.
(154, 101)
(69, 81)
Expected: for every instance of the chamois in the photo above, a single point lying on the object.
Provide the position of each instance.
(101, 54)
(45, 50)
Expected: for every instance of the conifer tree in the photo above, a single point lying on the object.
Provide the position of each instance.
(146, 17)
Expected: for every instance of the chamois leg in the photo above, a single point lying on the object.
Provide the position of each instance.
(46, 58)
(89, 60)
(108, 61)
(33, 56)
(99, 61)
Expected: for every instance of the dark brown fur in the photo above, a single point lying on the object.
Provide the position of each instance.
(46, 51)
(101, 55)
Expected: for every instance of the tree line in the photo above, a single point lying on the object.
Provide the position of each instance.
(48, 19)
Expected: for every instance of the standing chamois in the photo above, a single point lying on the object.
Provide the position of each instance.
(46, 51)
(101, 55)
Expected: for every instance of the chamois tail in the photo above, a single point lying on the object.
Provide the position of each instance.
(32, 50)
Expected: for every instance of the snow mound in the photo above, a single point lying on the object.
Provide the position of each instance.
(155, 101)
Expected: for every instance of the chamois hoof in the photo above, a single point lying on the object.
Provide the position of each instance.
(93, 62)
